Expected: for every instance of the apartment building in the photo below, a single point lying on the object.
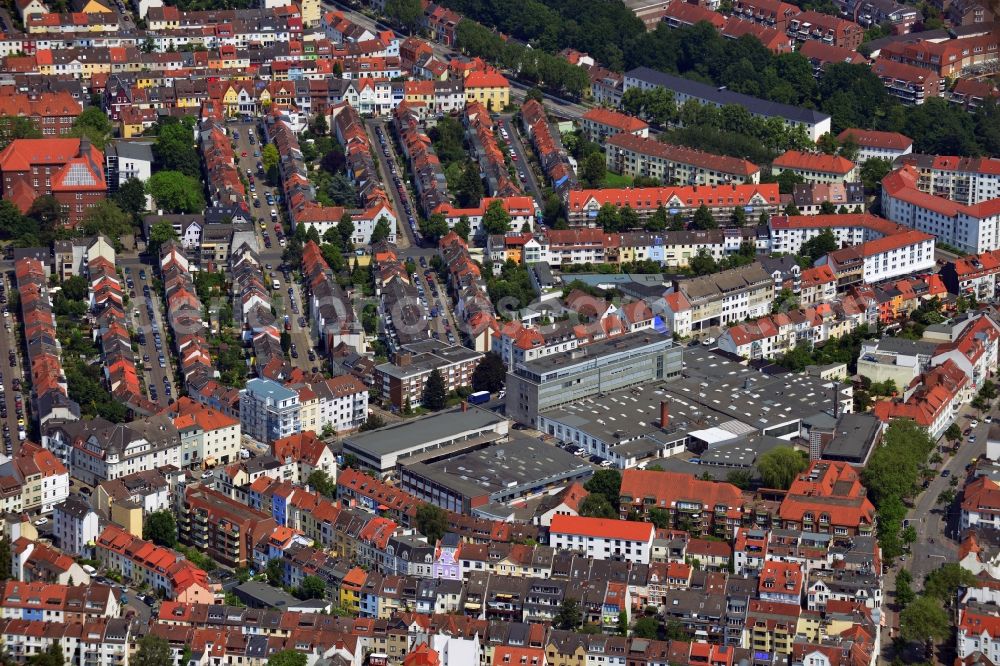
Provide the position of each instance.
(965, 180)
(908, 83)
(309, 452)
(56, 603)
(878, 145)
(628, 360)
(33, 479)
(974, 275)
(52, 113)
(208, 437)
(103, 451)
(721, 298)
(934, 403)
(161, 568)
(816, 124)
(721, 200)
(75, 525)
(268, 410)
(600, 124)
(693, 505)
(223, 528)
(810, 198)
(403, 379)
(789, 233)
(815, 167)
(974, 228)
(883, 259)
(812, 25)
(603, 539)
(634, 156)
(828, 498)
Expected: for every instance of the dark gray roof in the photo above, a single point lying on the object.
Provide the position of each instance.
(722, 96)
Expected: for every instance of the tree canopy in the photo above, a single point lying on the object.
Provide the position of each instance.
(160, 527)
(431, 521)
(176, 192)
(779, 466)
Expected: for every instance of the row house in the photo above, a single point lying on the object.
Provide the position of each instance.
(160, 568)
(49, 393)
(719, 299)
(811, 198)
(973, 275)
(480, 134)
(252, 306)
(225, 186)
(638, 156)
(523, 211)
(546, 141)
(99, 640)
(779, 333)
(102, 451)
(896, 299)
(334, 320)
(972, 228)
(107, 305)
(775, 41)
(429, 182)
(815, 167)
(56, 603)
(473, 307)
(339, 404)
(184, 314)
(721, 200)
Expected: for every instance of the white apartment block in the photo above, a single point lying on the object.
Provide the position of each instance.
(104, 451)
(972, 228)
(891, 257)
(966, 180)
(269, 411)
(104, 641)
(76, 524)
(873, 144)
(603, 539)
(207, 435)
(639, 156)
(723, 298)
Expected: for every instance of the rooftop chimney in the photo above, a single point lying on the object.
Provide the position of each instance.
(664, 413)
(84, 146)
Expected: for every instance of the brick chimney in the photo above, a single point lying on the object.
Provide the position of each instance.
(664, 413)
(404, 359)
(84, 147)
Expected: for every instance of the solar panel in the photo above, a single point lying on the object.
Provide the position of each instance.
(78, 174)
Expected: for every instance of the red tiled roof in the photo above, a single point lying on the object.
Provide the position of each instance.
(795, 159)
(603, 528)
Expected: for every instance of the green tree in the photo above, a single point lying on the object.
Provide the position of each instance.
(622, 623)
(435, 392)
(269, 157)
(105, 217)
(435, 227)
(381, 231)
(740, 478)
(51, 656)
(5, 562)
(373, 422)
(17, 127)
(779, 467)
(406, 13)
(490, 374)
(819, 245)
(703, 263)
(657, 221)
(569, 616)
(607, 217)
(872, 171)
(318, 125)
(431, 521)
(160, 232)
(496, 219)
(703, 218)
(275, 572)
(924, 620)
(131, 197)
(593, 170)
(160, 527)
(945, 582)
(596, 505)
(74, 288)
(470, 190)
(463, 228)
(628, 219)
(153, 651)
(659, 517)
(646, 627)
(345, 230)
(322, 483)
(287, 658)
(174, 149)
(93, 124)
(313, 587)
(607, 482)
(176, 192)
(47, 212)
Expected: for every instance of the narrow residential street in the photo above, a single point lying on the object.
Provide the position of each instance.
(156, 377)
(405, 237)
(523, 165)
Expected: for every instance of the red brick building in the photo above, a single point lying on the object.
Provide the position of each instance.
(71, 170)
(52, 113)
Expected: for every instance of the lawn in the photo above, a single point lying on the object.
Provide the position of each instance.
(617, 180)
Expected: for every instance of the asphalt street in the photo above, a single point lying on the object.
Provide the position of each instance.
(522, 164)
(9, 342)
(936, 526)
(153, 374)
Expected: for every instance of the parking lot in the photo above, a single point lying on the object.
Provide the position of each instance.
(13, 413)
(146, 306)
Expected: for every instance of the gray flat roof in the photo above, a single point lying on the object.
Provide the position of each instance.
(597, 350)
(722, 96)
(853, 436)
(521, 461)
(904, 346)
(406, 434)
